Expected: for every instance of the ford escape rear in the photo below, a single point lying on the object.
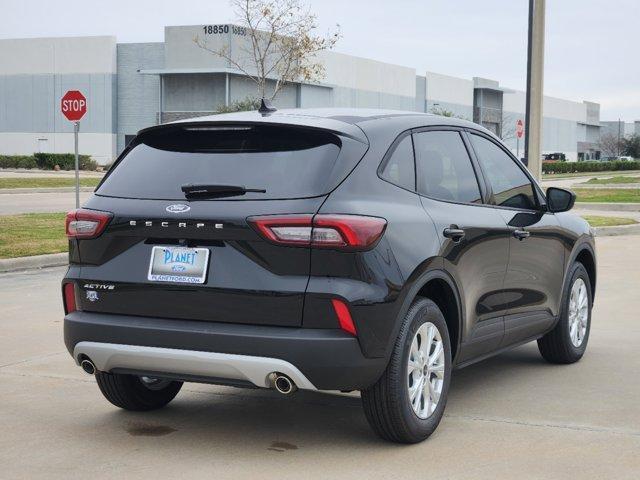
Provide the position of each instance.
(321, 250)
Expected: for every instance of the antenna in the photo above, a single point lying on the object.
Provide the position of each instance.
(266, 107)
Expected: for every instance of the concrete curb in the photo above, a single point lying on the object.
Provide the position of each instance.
(609, 207)
(36, 261)
(619, 230)
(44, 190)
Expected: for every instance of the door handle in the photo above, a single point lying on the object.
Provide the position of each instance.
(521, 234)
(454, 233)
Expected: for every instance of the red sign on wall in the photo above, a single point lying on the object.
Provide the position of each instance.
(73, 105)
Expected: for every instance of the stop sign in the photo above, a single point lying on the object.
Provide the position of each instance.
(73, 105)
(519, 128)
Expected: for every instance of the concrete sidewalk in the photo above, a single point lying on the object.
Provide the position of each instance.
(574, 182)
(511, 417)
(7, 191)
(15, 203)
(21, 173)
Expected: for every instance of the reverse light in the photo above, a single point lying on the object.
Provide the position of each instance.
(84, 223)
(344, 316)
(343, 232)
(69, 295)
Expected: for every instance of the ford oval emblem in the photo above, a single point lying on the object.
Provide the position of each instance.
(178, 208)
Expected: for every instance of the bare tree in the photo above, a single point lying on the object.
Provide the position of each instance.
(282, 47)
(507, 127)
(437, 110)
(610, 145)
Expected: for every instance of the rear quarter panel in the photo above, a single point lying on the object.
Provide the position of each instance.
(375, 282)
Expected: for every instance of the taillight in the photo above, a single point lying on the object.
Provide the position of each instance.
(83, 223)
(285, 229)
(344, 232)
(344, 316)
(69, 297)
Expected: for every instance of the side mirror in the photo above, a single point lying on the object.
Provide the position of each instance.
(560, 200)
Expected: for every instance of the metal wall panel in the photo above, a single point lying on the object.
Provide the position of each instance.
(138, 96)
(31, 103)
(193, 92)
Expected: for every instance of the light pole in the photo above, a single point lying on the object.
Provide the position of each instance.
(535, 81)
(618, 144)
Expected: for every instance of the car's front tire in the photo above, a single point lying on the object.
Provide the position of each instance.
(132, 392)
(407, 403)
(567, 342)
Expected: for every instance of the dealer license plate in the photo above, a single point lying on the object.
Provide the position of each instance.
(178, 264)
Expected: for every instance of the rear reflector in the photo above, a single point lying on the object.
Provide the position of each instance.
(69, 298)
(83, 223)
(343, 232)
(344, 317)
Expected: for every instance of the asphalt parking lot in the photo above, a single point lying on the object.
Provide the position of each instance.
(513, 416)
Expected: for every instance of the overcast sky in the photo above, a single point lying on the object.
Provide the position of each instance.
(591, 49)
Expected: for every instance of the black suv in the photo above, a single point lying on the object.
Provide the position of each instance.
(321, 250)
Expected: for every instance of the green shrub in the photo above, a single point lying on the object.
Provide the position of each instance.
(17, 161)
(87, 163)
(66, 161)
(47, 161)
(589, 166)
(245, 105)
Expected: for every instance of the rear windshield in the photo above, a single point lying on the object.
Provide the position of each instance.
(286, 162)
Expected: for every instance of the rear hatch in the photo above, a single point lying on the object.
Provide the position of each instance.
(194, 255)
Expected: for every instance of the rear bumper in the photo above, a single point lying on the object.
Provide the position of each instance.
(112, 357)
(323, 359)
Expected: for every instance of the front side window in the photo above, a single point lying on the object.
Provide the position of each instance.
(400, 167)
(444, 169)
(511, 187)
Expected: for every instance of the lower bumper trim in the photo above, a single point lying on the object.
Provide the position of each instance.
(329, 358)
(175, 362)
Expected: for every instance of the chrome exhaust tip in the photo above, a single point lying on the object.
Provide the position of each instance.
(282, 384)
(88, 366)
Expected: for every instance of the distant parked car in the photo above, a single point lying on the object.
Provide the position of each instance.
(554, 156)
(626, 158)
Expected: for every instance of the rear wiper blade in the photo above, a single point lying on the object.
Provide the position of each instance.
(212, 190)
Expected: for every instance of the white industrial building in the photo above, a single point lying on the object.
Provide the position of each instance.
(130, 86)
(620, 129)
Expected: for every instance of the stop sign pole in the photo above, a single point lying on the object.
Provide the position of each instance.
(76, 131)
(73, 106)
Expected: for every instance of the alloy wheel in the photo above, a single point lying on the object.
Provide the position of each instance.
(578, 312)
(425, 370)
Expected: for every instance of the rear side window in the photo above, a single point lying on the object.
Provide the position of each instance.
(444, 168)
(511, 187)
(287, 162)
(400, 167)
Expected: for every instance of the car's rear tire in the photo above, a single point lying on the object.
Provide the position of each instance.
(132, 392)
(388, 403)
(567, 342)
